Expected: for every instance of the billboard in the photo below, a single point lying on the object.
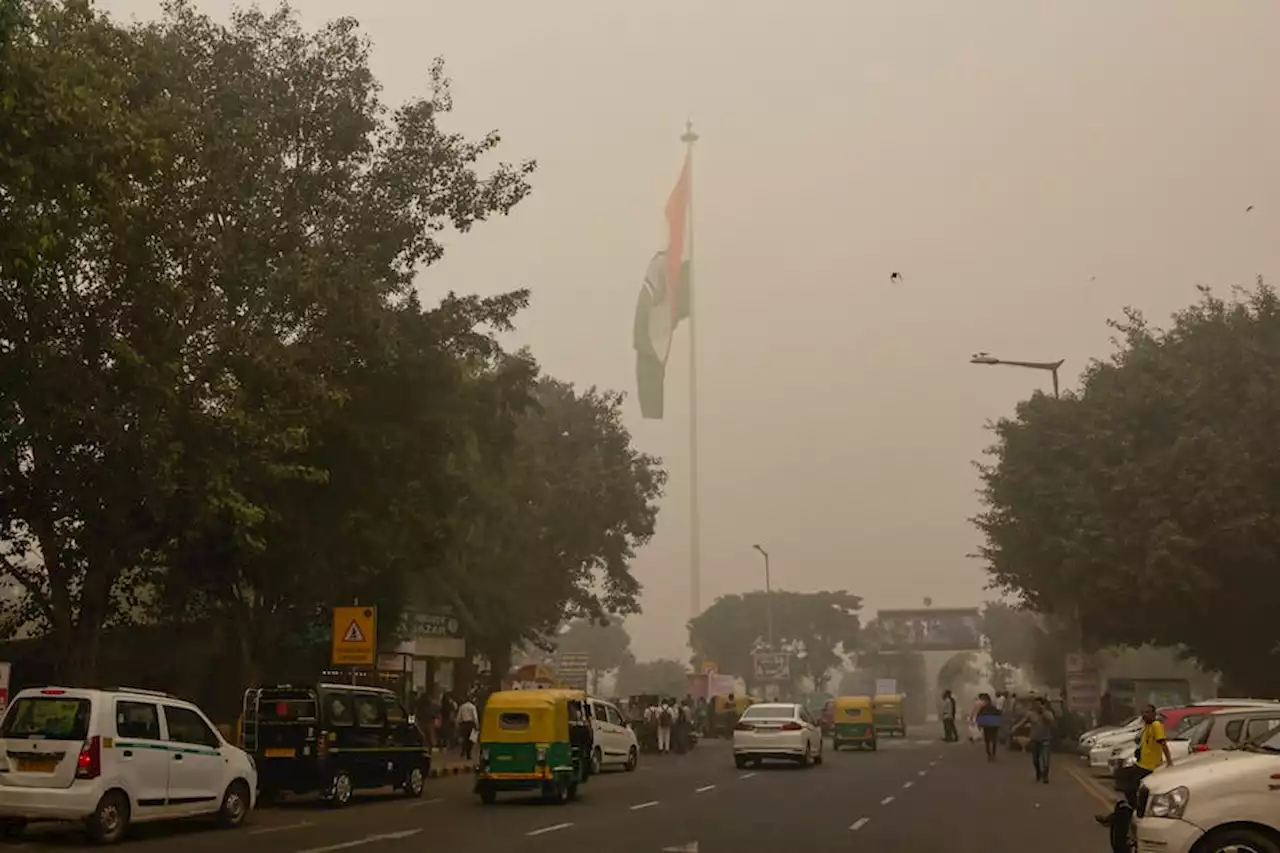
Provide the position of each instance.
(773, 666)
(931, 629)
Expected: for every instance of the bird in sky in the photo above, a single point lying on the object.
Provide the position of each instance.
(896, 277)
(1249, 208)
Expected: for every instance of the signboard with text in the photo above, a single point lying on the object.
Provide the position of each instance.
(355, 635)
(772, 666)
(940, 629)
(573, 669)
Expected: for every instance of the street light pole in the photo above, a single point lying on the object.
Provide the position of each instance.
(768, 591)
(1051, 366)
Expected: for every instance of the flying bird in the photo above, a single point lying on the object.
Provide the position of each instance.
(1249, 208)
(896, 277)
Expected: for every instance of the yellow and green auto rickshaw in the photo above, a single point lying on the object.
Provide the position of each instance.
(534, 740)
(888, 715)
(853, 723)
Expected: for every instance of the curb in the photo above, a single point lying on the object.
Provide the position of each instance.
(454, 770)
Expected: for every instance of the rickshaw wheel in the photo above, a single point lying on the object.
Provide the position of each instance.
(873, 746)
(556, 792)
(571, 791)
(835, 745)
(488, 796)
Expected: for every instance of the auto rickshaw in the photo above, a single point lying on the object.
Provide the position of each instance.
(725, 713)
(854, 722)
(888, 715)
(534, 740)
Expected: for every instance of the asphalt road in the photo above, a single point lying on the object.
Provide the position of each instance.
(911, 796)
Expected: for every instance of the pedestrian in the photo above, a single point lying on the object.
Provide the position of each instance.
(680, 729)
(1040, 736)
(666, 720)
(947, 712)
(971, 721)
(988, 719)
(1152, 750)
(468, 720)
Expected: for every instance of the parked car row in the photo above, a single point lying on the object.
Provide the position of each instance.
(110, 758)
(1221, 792)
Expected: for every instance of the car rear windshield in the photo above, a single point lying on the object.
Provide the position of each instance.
(769, 712)
(286, 709)
(55, 718)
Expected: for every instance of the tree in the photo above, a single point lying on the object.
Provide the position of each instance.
(550, 530)
(663, 677)
(959, 673)
(818, 628)
(1146, 500)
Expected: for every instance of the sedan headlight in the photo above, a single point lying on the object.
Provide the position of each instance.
(1088, 742)
(1170, 804)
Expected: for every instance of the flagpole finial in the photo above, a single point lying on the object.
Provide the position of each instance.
(689, 136)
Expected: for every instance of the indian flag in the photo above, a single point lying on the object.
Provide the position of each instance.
(663, 302)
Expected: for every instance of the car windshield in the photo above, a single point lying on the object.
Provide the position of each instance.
(1266, 742)
(769, 712)
(55, 718)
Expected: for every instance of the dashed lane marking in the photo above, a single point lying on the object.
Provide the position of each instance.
(556, 827)
(1091, 788)
(265, 829)
(886, 801)
(360, 842)
(906, 785)
(859, 823)
(430, 802)
(922, 773)
(704, 789)
(638, 806)
(747, 775)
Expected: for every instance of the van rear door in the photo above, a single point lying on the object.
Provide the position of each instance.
(43, 736)
(288, 722)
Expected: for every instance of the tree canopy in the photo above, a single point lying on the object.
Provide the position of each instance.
(1147, 500)
(222, 396)
(605, 640)
(818, 628)
(662, 676)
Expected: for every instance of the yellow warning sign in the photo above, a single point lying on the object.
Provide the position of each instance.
(355, 635)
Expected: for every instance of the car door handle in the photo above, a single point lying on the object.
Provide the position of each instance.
(128, 753)
(178, 757)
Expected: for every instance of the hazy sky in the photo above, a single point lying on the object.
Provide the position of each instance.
(998, 153)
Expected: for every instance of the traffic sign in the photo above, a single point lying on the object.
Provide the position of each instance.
(355, 635)
(709, 667)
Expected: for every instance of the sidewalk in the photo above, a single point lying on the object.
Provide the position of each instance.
(447, 762)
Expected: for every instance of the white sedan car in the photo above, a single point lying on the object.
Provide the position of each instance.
(777, 730)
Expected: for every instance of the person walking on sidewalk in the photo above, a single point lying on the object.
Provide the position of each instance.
(468, 719)
(947, 712)
(1040, 737)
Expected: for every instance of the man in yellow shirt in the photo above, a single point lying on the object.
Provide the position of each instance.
(1152, 751)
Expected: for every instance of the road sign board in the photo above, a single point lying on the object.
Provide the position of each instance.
(573, 669)
(355, 635)
(709, 667)
(773, 666)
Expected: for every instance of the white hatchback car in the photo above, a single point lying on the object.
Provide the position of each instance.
(616, 744)
(114, 757)
(777, 730)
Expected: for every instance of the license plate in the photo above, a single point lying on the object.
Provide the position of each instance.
(37, 765)
(281, 753)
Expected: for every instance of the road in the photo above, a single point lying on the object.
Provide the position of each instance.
(912, 796)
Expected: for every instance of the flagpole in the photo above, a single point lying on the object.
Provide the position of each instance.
(695, 521)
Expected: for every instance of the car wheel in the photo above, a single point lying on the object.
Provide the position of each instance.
(12, 827)
(597, 761)
(633, 760)
(740, 762)
(414, 782)
(1238, 841)
(235, 805)
(817, 759)
(110, 820)
(340, 789)
(806, 760)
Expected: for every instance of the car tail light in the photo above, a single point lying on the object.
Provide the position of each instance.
(1199, 748)
(542, 755)
(89, 764)
(792, 727)
(52, 691)
(744, 727)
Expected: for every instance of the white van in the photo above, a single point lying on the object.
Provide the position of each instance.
(616, 744)
(114, 757)
(1225, 800)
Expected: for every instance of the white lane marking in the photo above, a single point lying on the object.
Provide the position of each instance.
(859, 823)
(556, 827)
(747, 775)
(923, 773)
(430, 802)
(886, 801)
(638, 806)
(265, 829)
(360, 842)
(704, 789)
(907, 784)
(932, 763)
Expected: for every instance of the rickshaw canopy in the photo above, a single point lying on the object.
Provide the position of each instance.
(526, 716)
(852, 708)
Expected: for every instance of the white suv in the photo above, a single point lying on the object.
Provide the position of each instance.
(115, 757)
(616, 744)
